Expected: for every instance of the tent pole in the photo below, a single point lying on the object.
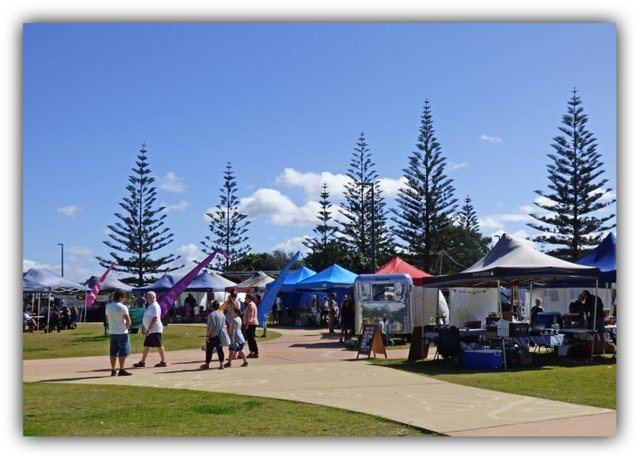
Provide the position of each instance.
(530, 299)
(48, 309)
(594, 331)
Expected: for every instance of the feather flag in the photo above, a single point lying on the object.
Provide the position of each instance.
(167, 300)
(272, 291)
(91, 298)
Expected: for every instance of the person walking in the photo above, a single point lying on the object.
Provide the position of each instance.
(333, 312)
(347, 318)
(216, 336)
(152, 330)
(237, 340)
(250, 322)
(118, 321)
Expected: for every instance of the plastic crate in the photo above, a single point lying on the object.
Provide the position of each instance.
(483, 359)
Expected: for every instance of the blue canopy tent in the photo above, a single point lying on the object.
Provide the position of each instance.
(42, 280)
(294, 278)
(209, 282)
(164, 283)
(291, 298)
(604, 258)
(109, 285)
(204, 282)
(332, 277)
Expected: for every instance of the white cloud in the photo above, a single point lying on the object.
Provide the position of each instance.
(279, 209)
(391, 187)
(293, 245)
(312, 183)
(544, 201)
(172, 183)
(456, 166)
(188, 253)
(491, 139)
(77, 250)
(69, 211)
(489, 223)
(169, 208)
(29, 264)
(606, 196)
(495, 222)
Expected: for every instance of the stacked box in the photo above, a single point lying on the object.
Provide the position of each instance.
(483, 359)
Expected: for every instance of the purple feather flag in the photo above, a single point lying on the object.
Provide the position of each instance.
(167, 300)
(91, 298)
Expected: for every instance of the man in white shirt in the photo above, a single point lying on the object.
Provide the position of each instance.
(152, 330)
(118, 320)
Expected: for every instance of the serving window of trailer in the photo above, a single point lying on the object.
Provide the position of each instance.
(379, 292)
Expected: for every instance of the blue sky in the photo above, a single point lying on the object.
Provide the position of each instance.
(285, 103)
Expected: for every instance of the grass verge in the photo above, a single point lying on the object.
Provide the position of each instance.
(112, 410)
(89, 340)
(591, 384)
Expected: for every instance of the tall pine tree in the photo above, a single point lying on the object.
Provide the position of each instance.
(426, 204)
(576, 190)
(140, 231)
(463, 242)
(467, 218)
(362, 214)
(325, 247)
(227, 225)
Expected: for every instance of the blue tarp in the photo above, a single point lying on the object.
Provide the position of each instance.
(42, 279)
(603, 257)
(330, 278)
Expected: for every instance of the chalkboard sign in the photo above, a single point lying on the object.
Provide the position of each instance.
(370, 341)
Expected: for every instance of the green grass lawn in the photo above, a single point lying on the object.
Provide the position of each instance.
(591, 384)
(112, 410)
(89, 340)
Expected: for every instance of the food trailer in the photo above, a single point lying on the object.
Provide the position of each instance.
(395, 297)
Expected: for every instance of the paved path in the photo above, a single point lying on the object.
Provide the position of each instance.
(312, 367)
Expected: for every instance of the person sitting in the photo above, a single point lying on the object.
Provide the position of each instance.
(30, 322)
(537, 308)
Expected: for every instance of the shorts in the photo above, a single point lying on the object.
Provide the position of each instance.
(236, 347)
(600, 325)
(119, 345)
(153, 340)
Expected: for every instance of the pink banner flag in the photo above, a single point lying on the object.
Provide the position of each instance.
(167, 300)
(91, 298)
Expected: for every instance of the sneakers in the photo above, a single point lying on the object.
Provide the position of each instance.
(113, 373)
(227, 365)
(161, 364)
(122, 372)
(139, 364)
(244, 364)
(204, 366)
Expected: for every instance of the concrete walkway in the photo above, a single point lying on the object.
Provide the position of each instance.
(311, 366)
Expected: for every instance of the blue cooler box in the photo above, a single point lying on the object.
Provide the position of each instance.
(483, 359)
